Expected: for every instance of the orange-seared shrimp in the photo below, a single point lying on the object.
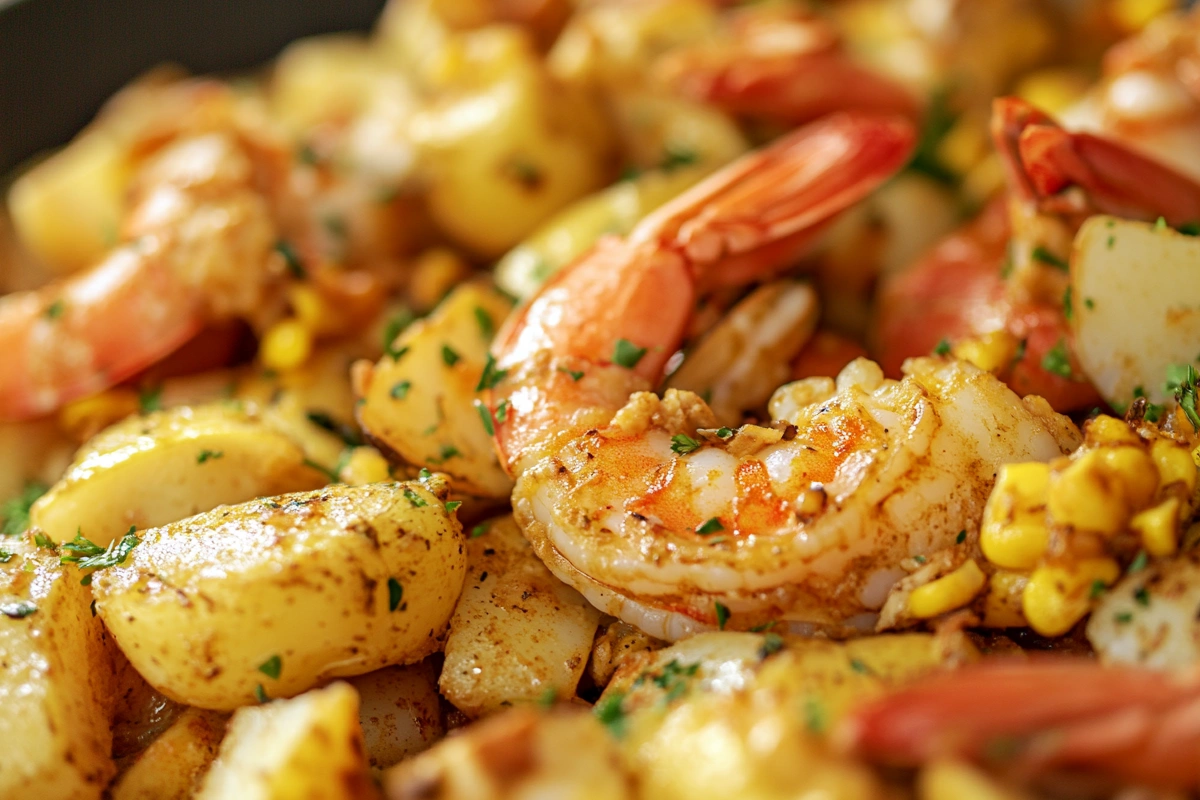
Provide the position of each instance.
(197, 243)
(1043, 714)
(675, 525)
(782, 65)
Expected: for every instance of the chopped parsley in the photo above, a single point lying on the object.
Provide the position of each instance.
(682, 444)
(272, 667)
(491, 376)
(479, 530)
(724, 433)
(43, 541)
(860, 667)
(962, 537)
(1068, 305)
(260, 694)
(395, 326)
(395, 594)
(1160, 224)
(87, 555)
(18, 609)
(1057, 361)
(548, 698)
(448, 452)
(675, 156)
(332, 474)
(1123, 617)
(722, 615)
(710, 527)
(1186, 397)
(627, 354)
(1142, 596)
(450, 356)
(1099, 587)
(814, 715)
(1139, 562)
(766, 626)
(1089, 303)
(399, 390)
(576, 375)
(291, 259)
(453, 505)
(347, 433)
(502, 410)
(5, 556)
(150, 399)
(209, 455)
(942, 349)
(413, 498)
(485, 416)
(610, 714)
(772, 644)
(1049, 259)
(16, 510)
(56, 310)
(487, 328)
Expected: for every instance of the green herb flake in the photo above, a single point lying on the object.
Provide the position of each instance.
(399, 390)
(1068, 305)
(576, 375)
(1057, 361)
(1089, 303)
(272, 667)
(291, 259)
(710, 527)
(87, 555)
(450, 356)
(43, 541)
(766, 626)
(150, 399)
(942, 349)
(548, 698)
(413, 498)
(453, 505)
(491, 376)
(1160, 224)
(772, 644)
(331, 474)
(395, 594)
(962, 537)
(487, 328)
(610, 713)
(722, 615)
(1112, 240)
(15, 511)
(260, 694)
(724, 433)
(18, 609)
(627, 354)
(485, 416)
(1139, 562)
(5, 556)
(1099, 587)
(682, 444)
(1123, 617)
(675, 156)
(860, 667)
(347, 433)
(1049, 259)
(479, 530)
(1142, 596)
(394, 327)
(502, 411)
(919, 559)
(814, 715)
(209, 455)
(1186, 397)
(56, 310)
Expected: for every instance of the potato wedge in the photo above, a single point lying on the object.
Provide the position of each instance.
(518, 634)
(172, 767)
(400, 712)
(56, 689)
(274, 596)
(1136, 305)
(193, 458)
(519, 755)
(309, 746)
(419, 406)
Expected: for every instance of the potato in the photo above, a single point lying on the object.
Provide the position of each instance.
(519, 755)
(195, 458)
(325, 78)
(400, 712)
(518, 634)
(1136, 305)
(67, 209)
(307, 747)
(172, 766)
(274, 596)
(419, 406)
(56, 689)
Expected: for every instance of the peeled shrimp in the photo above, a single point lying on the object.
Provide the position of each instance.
(674, 525)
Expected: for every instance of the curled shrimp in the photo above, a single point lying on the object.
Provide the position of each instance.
(675, 525)
(1031, 717)
(197, 242)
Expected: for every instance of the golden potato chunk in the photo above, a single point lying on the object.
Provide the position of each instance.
(173, 765)
(272, 597)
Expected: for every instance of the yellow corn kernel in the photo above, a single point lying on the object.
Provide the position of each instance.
(1109, 430)
(1159, 527)
(1102, 489)
(286, 345)
(1058, 596)
(992, 352)
(1174, 464)
(435, 272)
(1132, 15)
(964, 145)
(1014, 533)
(1002, 604)
(314, 310)
(947, 592)
(365, 465)
(1052, 90)
(83, 418)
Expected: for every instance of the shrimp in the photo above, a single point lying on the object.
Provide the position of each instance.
(1030, 717)
(196, 244)
(661, 518)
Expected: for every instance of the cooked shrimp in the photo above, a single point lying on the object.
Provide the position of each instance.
(662, 519)
(1029, 717)
(197, 242)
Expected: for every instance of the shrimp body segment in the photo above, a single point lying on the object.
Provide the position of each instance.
(197, 239)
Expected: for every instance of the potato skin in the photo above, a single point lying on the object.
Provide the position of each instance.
(203, 605)
(171, 768)
(56, 690)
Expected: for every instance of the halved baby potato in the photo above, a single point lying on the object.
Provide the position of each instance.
(1135, 301)
(151, 470)
(56, 685)
(400, 711)
(172, 767)
(272, 597)
(419, 403)
(309, 746)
